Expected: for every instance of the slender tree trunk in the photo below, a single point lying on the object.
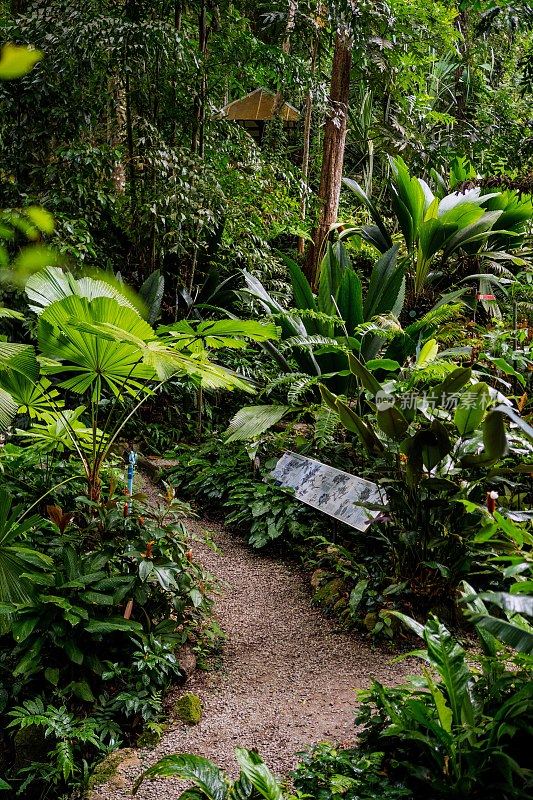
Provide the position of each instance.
(129, 141)
(286, 48)
(333, 150)
(308, 117)
(198, 135)
(116, 128)
(178, 13)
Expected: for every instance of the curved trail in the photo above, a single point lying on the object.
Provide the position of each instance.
(288, 677)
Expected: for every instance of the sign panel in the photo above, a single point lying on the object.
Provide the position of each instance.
(329, 490)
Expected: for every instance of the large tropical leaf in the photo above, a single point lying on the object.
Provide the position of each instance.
(409, 201)
(374, 213)
(38, 400)
(350, 300)
(386, 286)
(61, 432)
(508, 632)
(205, 775)
(258, 774)
(51, 284)
(164, 361)
(16, 558)
(233, 333)
(252, 421)
(91, 360)
(18, 364)
(303, 295)
(152, 292)
(448, 658)
(514, 603)
(471, 408)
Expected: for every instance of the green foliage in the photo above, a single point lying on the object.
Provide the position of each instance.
(327, 772)
(462, 730)
(222, 476)
(467, 222)
(213, 784)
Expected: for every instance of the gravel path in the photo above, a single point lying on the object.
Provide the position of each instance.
(288, 676)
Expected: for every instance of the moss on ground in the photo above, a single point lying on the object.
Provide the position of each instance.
(189, 709)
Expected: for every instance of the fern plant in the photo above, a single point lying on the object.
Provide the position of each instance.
(66, 742)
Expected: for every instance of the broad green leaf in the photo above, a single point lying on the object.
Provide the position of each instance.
(350, 300)
(82, 690)
(356, 595)
(471, 408)
(512, 635)
(387, 364)
(365, 377)
(427, 354)
(354, 423)
(376, 216)
(200, 771)
(252, 421)
(508, 369)
(258, 774)
(392, 422)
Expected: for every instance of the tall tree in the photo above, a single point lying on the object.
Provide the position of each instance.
(333, 147)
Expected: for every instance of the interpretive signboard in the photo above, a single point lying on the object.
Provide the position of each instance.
(329, 490)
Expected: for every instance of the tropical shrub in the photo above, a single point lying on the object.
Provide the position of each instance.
(441, 231)
(93, 617)
(466, 731)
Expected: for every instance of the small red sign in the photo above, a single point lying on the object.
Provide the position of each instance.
(485, 297)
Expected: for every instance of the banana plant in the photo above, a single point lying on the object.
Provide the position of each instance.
(490, 226)
(211, 783)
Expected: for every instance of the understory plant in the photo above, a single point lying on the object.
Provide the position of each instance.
(463, 728)
(211, 783)
(468, 234)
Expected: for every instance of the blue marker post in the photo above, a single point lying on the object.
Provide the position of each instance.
(132, 460)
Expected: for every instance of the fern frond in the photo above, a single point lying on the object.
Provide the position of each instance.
(318, 316)
(300, 386)
(282, 380)
(385, 326)
(65, 758)
(326, 423)
(434, 370)
(252, 421)
(436, 317)
(309, 341)
(452, 333)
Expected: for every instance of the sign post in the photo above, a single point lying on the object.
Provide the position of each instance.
(330, 490)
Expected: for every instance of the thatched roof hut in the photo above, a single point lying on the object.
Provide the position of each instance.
(255, 109)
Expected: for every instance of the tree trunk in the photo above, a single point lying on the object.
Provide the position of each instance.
(308, 117)
(286, 48)
(130, 143)
(116, 127)
(333, 150)
(199, 112)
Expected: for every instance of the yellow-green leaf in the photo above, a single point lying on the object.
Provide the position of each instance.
(17, 60)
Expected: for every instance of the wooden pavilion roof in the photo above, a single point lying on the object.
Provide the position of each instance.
(258, 105)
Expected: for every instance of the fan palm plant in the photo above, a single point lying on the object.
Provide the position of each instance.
(94, 343)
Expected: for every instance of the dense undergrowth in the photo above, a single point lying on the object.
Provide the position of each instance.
(157, 274)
